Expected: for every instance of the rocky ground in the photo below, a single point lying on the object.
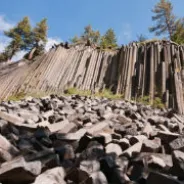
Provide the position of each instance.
(58, 140)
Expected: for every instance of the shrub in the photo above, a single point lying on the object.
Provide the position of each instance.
(17, 96)
(157, 103)
(106, 93)
(144, 100)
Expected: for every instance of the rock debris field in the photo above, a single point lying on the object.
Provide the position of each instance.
(89, 140)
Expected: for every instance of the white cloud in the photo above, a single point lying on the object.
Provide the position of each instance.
(51, 41)
(126, 34)
(3, 42)
(4, 25)
(19, 55)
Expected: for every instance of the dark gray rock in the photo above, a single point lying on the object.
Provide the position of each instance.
(76, 175)
(153, 146)
(96, 178)
(178, 164)
(93, 151)
(161, 178)
(10, 171)
(65, 152)
(177, 144)
(124, 143)
(139, 138)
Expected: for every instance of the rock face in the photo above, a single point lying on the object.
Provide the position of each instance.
(137, 70)
(58, 141)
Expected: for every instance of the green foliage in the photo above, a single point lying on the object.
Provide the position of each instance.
(39, 38)
(88, 34)
(157, 103)
(178, 36)
(20, 37)
(106, 93)
(106, 41)
(75, 39)
(144, 100)
(91, 35)
(165, 19)
(24, 37)
(109, 39)
(4, 56)
(75, 91)
(17, 97)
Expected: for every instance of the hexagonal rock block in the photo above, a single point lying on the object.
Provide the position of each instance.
(151, 145)
(113, 148)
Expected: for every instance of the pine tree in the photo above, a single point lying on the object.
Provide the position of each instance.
(109, 39)
(39, 36)
(20, 36)
(75, 39)
(91, 35)
(178, 36)
(164, 17)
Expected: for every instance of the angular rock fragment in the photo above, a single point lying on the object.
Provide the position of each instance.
(97, 177)
(124, 143)
(90, 166)
(123, 119)
(10, 171)
(113, 149)
(151, 145)
(161, 178)
(52, 176)
(58, 126)
(7, 151)
(147, 130)
(178, 163)
(133, 150)
(77, 175)
(99, 127)
(177, 144)
(139, 138)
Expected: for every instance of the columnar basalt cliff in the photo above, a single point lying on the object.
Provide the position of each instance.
(153, 69)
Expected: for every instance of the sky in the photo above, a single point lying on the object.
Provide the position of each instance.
(67, 18)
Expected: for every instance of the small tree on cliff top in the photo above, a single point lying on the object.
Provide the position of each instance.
(109, 39)
(178, 36)
(164, 17)
(20, 37)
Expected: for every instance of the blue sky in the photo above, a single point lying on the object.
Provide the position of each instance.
(67, 18)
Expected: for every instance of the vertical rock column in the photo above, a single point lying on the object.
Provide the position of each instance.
(152, 78)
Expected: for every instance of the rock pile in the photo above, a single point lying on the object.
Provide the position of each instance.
(89, 140)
